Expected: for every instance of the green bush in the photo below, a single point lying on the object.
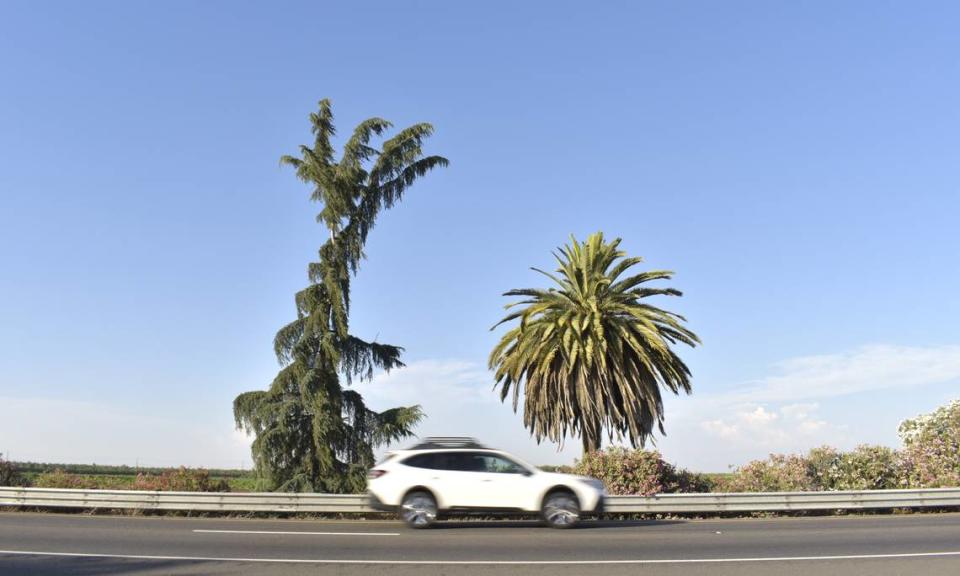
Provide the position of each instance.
(638, 472)
(9, 475)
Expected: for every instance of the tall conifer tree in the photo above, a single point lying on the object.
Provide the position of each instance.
(312, 433)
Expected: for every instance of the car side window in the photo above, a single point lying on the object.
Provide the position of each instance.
(447, 461)
(460, 462)
(421, 461)
(457, 461)
(464, 462)
(499, 465)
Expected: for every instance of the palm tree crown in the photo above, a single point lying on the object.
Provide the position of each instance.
(590, 352)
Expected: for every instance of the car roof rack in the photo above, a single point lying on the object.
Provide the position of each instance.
(447, 442)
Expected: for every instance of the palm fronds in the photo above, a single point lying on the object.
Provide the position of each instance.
(589, 354)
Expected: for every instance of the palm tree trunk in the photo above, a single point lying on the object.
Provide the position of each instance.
(591, 439)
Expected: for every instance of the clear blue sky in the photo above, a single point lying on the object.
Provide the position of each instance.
(795, 163)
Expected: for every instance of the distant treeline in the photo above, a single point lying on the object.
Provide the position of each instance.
(103, 470)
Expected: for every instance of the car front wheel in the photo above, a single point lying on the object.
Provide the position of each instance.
(561, 509)
(418, 509)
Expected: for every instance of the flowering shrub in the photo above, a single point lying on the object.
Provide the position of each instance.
(822, 465)
(823, 468)
(778, 473)
(865, 468)
(931, 448)
(638, 472)
(180, 480)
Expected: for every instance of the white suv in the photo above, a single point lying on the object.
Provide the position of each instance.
(457, 474)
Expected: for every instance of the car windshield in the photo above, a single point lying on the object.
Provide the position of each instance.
(525, 466)
(498, 464)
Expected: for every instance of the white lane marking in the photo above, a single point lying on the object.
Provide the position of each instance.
(297, 533)
(487, 562)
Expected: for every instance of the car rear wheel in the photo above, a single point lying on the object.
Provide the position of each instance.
(561, 509)
(418, 509)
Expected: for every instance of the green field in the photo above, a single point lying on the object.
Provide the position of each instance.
(124, 477)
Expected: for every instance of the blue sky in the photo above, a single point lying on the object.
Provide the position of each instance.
(794, 163)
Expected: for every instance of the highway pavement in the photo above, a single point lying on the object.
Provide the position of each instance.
(926, 544)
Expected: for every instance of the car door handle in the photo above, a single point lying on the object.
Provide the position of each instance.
(488, 480)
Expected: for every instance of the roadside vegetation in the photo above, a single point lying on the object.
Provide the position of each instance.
(10, 474)
(929, 458)
(96, 477)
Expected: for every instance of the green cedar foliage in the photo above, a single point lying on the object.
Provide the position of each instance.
(312, 434)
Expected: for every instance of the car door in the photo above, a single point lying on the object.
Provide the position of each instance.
(446, 474)
(498, 482)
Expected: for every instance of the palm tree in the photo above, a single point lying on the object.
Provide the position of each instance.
(591, 353)
(310, 432)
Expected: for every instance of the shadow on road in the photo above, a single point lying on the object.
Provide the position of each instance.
(44, 566)
(585, 525)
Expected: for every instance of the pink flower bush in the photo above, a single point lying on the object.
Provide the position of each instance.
(778, 473)
(931, 448)
(638, 472)
(930, 458)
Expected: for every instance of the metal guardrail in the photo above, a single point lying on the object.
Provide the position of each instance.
(785, 501)
(354, 503)
(188, 501)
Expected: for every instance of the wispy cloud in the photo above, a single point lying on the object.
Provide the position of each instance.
(786, 428)
(868, 368)
(450, 382)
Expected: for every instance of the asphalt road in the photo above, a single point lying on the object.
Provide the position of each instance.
(876, 545)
